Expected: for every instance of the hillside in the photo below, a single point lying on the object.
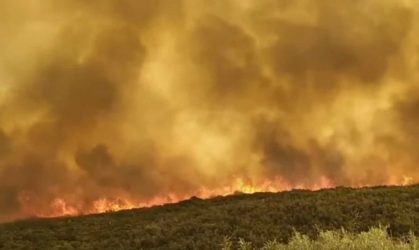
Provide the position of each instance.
(204, 224)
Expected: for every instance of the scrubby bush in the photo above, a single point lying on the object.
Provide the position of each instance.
(374, 239)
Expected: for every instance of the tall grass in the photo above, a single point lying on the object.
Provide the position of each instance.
(374, 239)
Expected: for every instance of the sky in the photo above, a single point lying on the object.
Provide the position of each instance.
(110, 104)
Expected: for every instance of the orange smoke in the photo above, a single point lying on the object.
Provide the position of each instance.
(153, 101)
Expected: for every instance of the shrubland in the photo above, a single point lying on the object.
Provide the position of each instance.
(260, 220)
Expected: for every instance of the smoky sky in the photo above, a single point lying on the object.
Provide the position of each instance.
(138, 100)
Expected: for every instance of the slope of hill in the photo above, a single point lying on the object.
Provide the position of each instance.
(203, 224)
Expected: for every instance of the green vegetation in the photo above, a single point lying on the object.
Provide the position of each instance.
(204, 224)
(374, 239)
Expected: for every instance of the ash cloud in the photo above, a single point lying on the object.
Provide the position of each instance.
(139, 100)
(346, 39)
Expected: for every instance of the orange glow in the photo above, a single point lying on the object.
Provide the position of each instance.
(59, 207)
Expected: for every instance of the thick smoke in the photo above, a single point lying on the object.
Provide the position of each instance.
(135, 101)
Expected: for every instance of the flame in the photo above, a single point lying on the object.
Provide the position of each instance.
(59, 207)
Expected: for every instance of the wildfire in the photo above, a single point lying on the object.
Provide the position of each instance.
(59, 207)
(147, 104)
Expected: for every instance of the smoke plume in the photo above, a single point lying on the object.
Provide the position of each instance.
(121, 103)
